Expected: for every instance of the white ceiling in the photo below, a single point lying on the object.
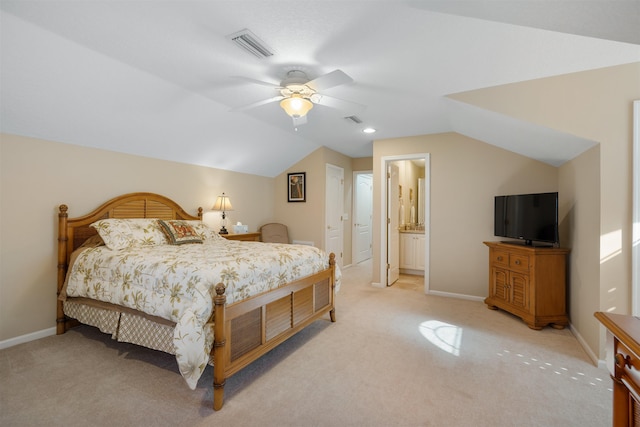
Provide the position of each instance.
(158, 78)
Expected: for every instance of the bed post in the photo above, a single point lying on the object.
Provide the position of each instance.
(332, 265)
(219, 347)
(62, 266)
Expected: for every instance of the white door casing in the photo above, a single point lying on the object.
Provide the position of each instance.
(334, 202)
(635, 240)
(383, 225)
(393, 222)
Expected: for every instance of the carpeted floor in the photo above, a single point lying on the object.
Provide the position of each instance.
(395, 357)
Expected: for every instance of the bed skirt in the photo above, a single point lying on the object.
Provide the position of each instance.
(124, 327)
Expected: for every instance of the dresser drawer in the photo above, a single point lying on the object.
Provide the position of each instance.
(519, 262)
(500, 258)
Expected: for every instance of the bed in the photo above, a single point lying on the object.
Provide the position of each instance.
(186, 291)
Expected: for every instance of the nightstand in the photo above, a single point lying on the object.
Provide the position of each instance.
(252, 237)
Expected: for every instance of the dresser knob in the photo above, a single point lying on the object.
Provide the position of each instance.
(622, 360)
(499, 258)
(517, 262)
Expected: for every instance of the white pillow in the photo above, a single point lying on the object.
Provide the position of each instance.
(123, 233)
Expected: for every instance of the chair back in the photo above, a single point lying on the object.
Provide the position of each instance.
(274, 233)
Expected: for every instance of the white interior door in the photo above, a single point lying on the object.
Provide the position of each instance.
(363, 214)
(334, 211)
(393, 221)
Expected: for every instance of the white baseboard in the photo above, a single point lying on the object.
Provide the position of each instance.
(412, 272)
(26, 338)
(302, 242)
(594, 358)
(459, 296)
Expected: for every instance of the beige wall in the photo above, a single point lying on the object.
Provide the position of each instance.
(579, 213)
(596, 105)
(465, 176)
(362, 164)
(306, 221)
(37, 176)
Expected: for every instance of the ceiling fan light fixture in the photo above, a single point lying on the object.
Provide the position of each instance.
(296, 105)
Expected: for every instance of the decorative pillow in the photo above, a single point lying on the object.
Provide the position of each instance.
(123, 233)
(93, 242)
(179, 232)
(204, 231)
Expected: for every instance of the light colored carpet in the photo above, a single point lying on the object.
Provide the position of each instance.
(395, 357)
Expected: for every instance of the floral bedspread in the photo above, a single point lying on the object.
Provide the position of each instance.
(177, 282)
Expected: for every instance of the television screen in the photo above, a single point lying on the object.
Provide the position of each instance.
(528, 217)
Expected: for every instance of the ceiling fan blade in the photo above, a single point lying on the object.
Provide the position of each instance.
(257, 104)
(297, 121)
(258, 82)
(329, 80)
(347, 107)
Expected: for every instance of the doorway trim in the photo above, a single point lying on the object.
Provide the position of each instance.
(384, 160)
(635, 240)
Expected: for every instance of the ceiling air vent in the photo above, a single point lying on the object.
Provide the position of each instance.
(354, 119)
(251, 43)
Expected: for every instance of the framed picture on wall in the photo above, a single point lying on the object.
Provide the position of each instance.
(296, 188)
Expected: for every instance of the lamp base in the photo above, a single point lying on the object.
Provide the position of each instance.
(223, 230)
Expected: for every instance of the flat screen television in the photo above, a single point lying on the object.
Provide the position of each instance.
(528, 217)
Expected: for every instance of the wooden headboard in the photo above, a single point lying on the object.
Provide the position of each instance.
(72, 232)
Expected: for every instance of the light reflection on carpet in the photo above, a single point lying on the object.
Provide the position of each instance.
(443, 335)
(558, 370)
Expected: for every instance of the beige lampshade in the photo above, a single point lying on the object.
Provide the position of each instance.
(296, 105)
(222, 204)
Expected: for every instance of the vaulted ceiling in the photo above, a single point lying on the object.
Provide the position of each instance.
(159, 79)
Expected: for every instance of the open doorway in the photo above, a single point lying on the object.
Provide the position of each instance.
(406, 223)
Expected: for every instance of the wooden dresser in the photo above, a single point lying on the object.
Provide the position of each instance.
(529, 282)
(623, 362)
(244, 236)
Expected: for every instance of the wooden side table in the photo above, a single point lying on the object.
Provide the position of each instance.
(249, 237)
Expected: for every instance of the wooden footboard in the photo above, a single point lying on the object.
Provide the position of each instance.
(247, 329)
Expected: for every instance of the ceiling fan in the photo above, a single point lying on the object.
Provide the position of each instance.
(298, 94)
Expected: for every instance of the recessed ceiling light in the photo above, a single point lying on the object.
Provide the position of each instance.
(368, 130)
